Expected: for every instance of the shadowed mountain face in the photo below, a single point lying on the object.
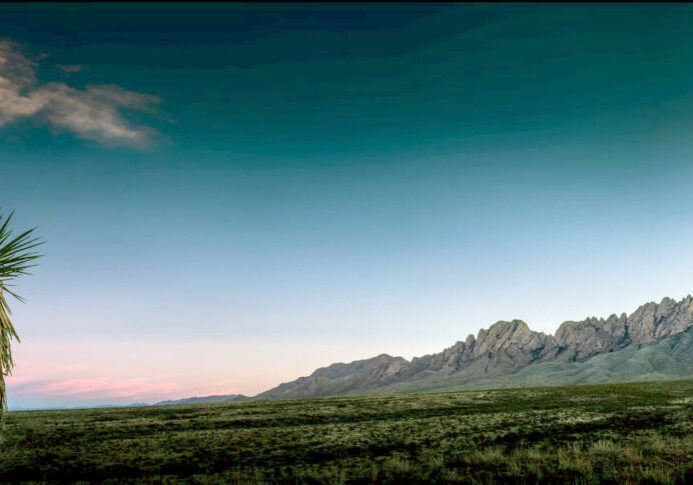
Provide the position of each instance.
(655, 341)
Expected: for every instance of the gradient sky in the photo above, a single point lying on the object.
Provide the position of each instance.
(233, 195)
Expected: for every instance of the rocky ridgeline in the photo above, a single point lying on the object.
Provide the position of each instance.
(503, 349)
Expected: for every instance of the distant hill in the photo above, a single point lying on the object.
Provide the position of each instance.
(654, 342)
(199, 400)
(131, 405)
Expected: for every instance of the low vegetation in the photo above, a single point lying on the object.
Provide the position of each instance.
(637, 433)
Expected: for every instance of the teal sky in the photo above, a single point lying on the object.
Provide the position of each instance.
(233, 195)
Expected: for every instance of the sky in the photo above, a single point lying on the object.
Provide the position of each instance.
(232, 195)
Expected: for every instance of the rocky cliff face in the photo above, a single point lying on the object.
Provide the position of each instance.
(510, 340)
(648, 324)
(502, 350)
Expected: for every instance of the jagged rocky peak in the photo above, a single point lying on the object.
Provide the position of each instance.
(512, 338)
(648, 324)
(652, 321)
(509, 336)
(592, 335)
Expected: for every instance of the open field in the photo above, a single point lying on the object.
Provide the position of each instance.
(613, 433)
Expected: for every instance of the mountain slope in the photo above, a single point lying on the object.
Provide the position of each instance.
(653, 342)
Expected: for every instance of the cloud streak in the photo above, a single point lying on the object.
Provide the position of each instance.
(93, 113)
(71, 68)
(94, 387)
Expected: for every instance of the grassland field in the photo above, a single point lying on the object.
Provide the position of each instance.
(624, 433)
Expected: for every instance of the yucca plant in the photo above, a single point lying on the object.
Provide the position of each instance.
(17, 254)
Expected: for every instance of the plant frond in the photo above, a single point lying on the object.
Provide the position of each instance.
(7, 333)
(17, 254)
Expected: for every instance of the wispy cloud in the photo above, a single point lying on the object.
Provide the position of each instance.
(93, 113)
(71, 68)
(111, 388)
(95, 387)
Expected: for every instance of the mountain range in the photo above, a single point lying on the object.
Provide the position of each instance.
(654, 342)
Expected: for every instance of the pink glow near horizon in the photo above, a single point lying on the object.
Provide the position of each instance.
(118, 389)
(101, 386)
(59, 373)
